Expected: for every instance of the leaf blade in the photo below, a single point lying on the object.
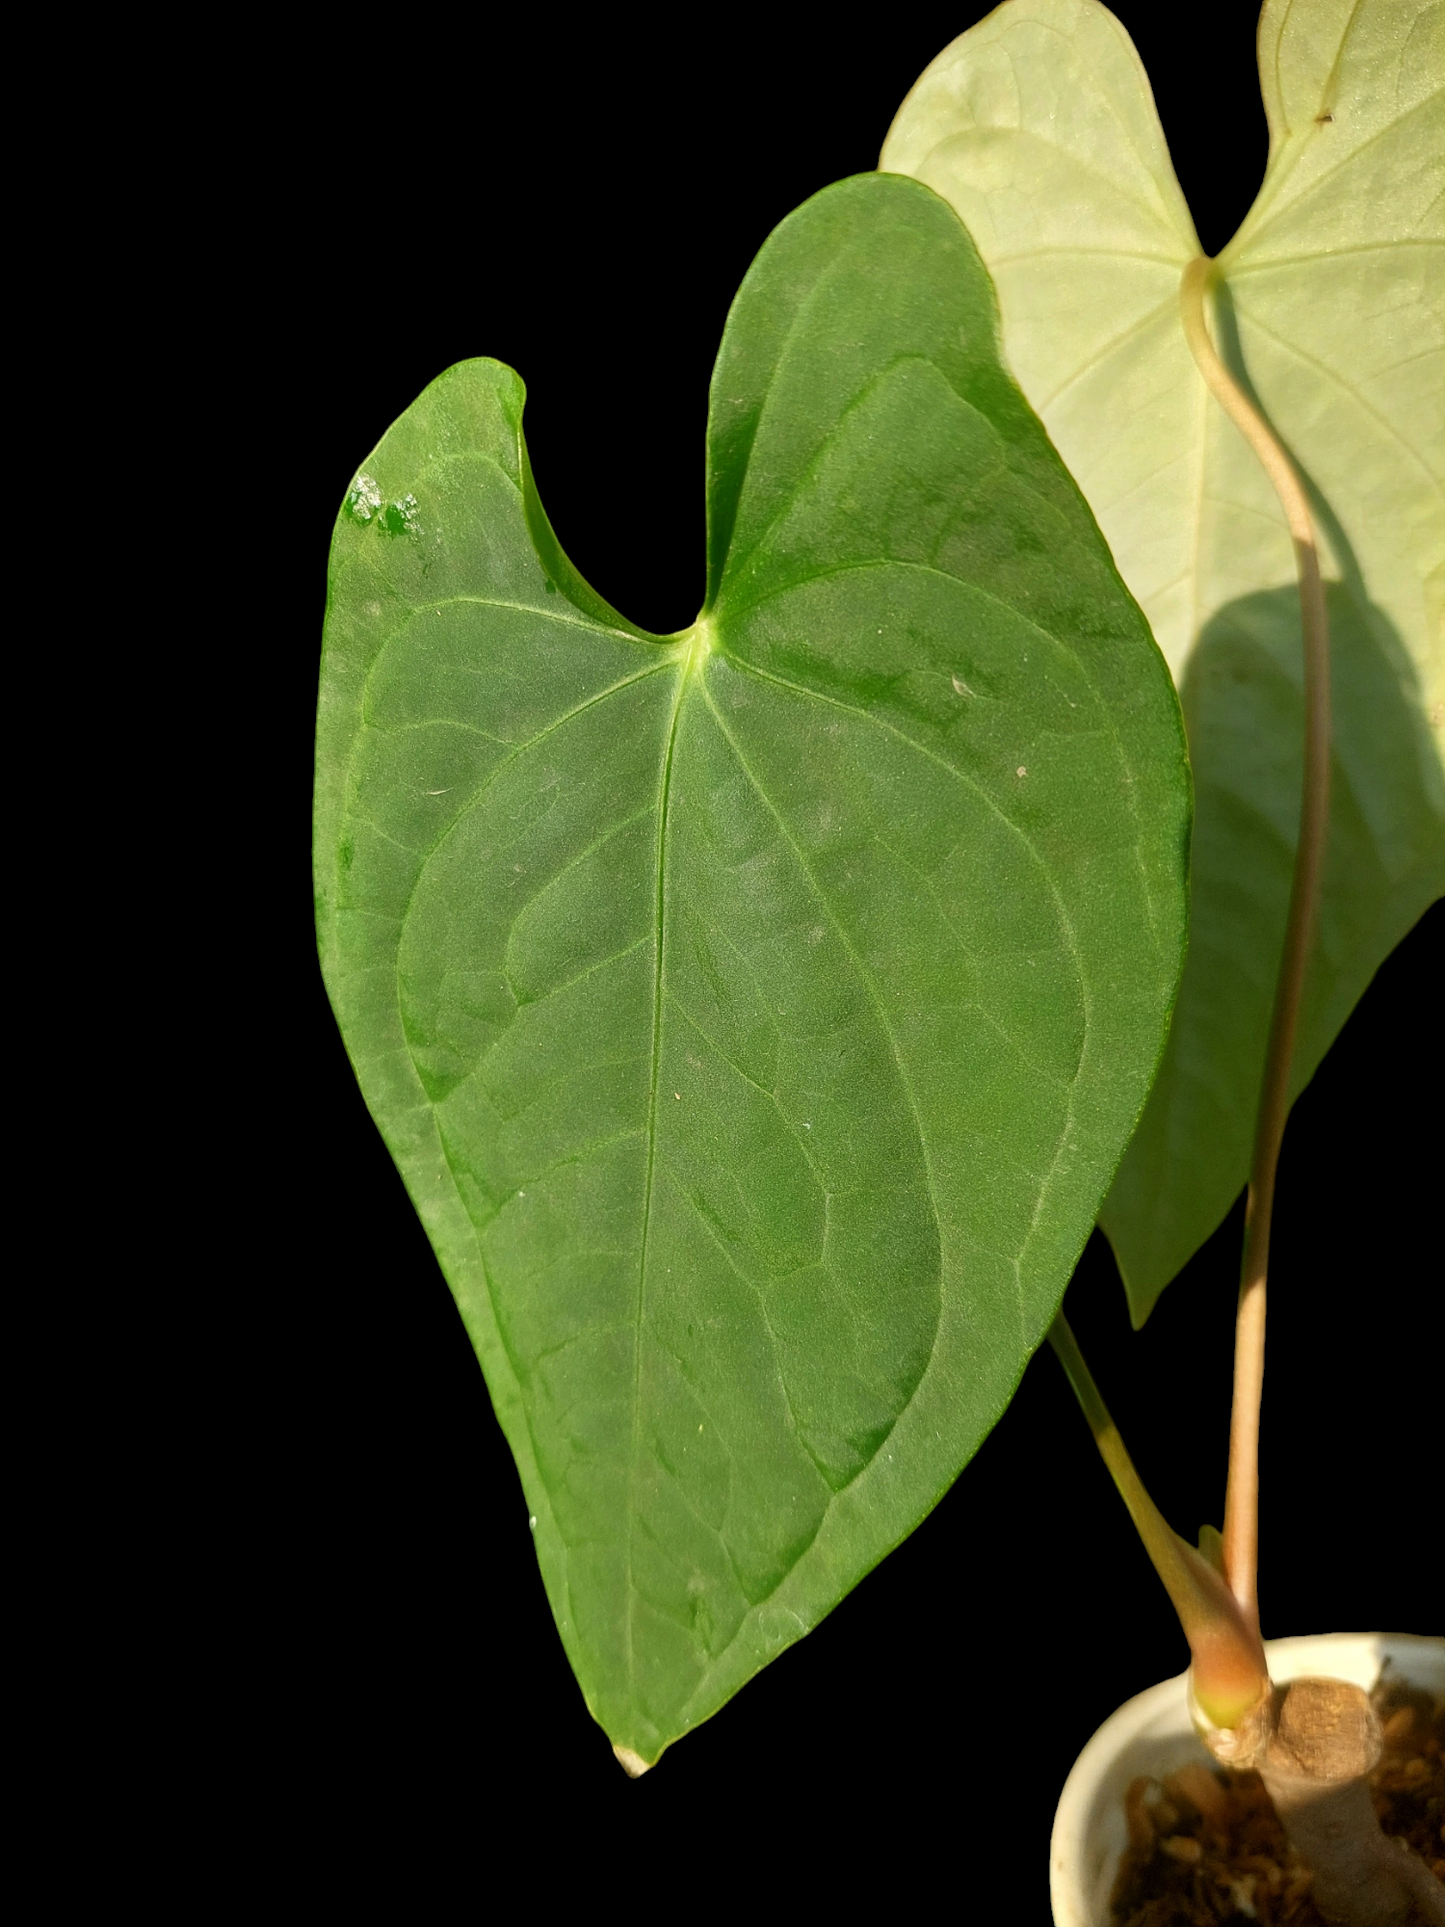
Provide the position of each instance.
(701, 1025)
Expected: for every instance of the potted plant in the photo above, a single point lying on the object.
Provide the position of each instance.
(402, 568)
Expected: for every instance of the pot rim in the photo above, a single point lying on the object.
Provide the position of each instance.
(1082, 1864)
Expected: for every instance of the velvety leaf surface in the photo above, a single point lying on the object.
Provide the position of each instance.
(1039, 127)
(756, 1015)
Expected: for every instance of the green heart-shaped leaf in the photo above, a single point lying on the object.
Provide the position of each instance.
(757, 1014)
(1039, 127)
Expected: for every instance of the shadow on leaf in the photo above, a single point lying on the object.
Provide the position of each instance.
(1243, 706)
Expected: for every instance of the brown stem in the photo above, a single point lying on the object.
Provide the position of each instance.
(1241, 1503)
(1316, 1765)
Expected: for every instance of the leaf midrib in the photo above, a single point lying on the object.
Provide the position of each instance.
(664, 798)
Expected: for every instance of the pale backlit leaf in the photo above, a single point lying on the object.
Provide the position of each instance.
(1039, 127)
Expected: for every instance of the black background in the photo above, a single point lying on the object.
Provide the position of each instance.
(579, 197)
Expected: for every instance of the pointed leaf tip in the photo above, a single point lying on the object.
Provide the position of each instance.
(632, 1764)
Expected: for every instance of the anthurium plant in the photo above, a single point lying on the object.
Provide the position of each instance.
(761, 1016)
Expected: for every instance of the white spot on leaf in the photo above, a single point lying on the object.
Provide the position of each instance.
(364, 499)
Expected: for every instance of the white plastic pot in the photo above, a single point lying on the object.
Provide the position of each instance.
(1152, 1734)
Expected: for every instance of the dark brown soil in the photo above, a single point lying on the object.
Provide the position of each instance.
(1205, 1847)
